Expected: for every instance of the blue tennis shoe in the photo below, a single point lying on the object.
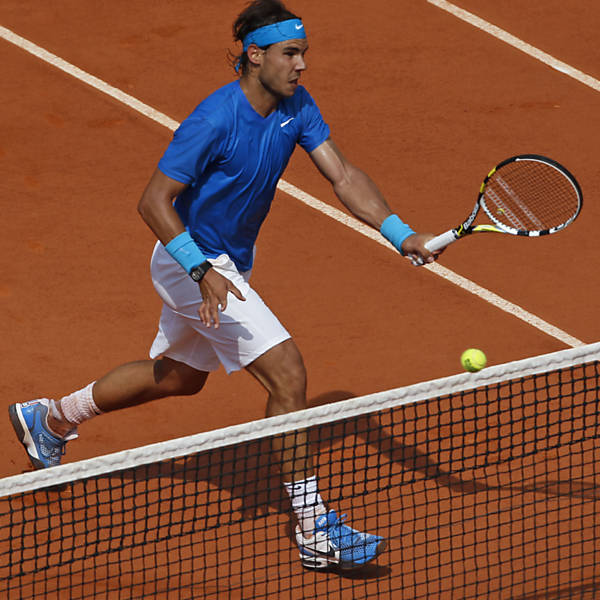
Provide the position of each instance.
(44, 448)
(336, 544)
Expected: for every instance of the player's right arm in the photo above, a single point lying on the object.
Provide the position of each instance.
(156, 206)
(156, 209)
(359, 194)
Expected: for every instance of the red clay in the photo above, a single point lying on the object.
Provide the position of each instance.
(423, 102)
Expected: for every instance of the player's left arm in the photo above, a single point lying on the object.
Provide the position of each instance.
(359, 194)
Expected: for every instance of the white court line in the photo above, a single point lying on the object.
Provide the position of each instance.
(517, 43)
(438, 269)
(92, 81)
(297, 193)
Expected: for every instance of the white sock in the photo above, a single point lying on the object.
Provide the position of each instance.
(79, 406)
(306, 502)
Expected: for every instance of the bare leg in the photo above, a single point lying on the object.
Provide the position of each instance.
(139, 382)
(281, 371)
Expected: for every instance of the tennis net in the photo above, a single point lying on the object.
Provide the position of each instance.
(485, 486)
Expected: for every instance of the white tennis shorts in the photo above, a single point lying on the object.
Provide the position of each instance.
(247, 329)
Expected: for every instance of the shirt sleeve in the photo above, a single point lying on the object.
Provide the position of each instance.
(314, 131)
(194, 146)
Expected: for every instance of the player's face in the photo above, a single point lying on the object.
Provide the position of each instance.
(282, 66)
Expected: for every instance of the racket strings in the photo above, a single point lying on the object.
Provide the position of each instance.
(530, 195)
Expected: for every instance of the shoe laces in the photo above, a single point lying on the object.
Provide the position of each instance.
(52, 448)
(344, 534)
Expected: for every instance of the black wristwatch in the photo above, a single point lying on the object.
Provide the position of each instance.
(197, 273)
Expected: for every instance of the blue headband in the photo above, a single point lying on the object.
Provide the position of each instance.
(292, 29)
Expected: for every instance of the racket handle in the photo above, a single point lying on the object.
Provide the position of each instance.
(441, 241)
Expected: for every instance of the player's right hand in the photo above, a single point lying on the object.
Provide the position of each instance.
(214, 288)
(414, 248)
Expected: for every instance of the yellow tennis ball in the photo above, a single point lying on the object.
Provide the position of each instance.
(473, 360)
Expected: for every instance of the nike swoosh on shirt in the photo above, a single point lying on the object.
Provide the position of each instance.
(286, 122)
(299, 26)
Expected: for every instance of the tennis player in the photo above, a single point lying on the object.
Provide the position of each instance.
(206, 202)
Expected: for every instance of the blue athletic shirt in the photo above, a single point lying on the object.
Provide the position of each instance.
(232, 158)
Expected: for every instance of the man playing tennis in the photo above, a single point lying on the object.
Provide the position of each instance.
(206, 202)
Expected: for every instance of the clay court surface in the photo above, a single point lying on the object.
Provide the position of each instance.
(422, 101)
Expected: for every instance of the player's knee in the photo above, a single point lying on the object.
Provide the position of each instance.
(289, 387)
(281, 371)
(189, 387)
(177, 379)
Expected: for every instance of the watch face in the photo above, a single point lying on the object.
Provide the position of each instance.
(197, 273)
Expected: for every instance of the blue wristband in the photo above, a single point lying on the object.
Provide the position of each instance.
(185, 251)
(395, 231)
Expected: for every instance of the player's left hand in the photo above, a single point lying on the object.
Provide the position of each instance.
(214, 288)
(414, 249)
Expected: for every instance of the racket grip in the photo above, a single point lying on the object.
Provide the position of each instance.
(441, 241)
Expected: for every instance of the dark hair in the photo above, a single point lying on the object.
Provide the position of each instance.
(257, 14)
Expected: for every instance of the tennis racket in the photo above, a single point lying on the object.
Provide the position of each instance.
(528, 195)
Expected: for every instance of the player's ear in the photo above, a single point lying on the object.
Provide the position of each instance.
(255, 54)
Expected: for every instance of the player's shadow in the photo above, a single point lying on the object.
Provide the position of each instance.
(247, 477)
(246, 473)
(237, 484)
(417, 463)
(369, 430)
(589, 590)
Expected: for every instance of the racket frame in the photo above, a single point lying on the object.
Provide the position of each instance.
(441, 241)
